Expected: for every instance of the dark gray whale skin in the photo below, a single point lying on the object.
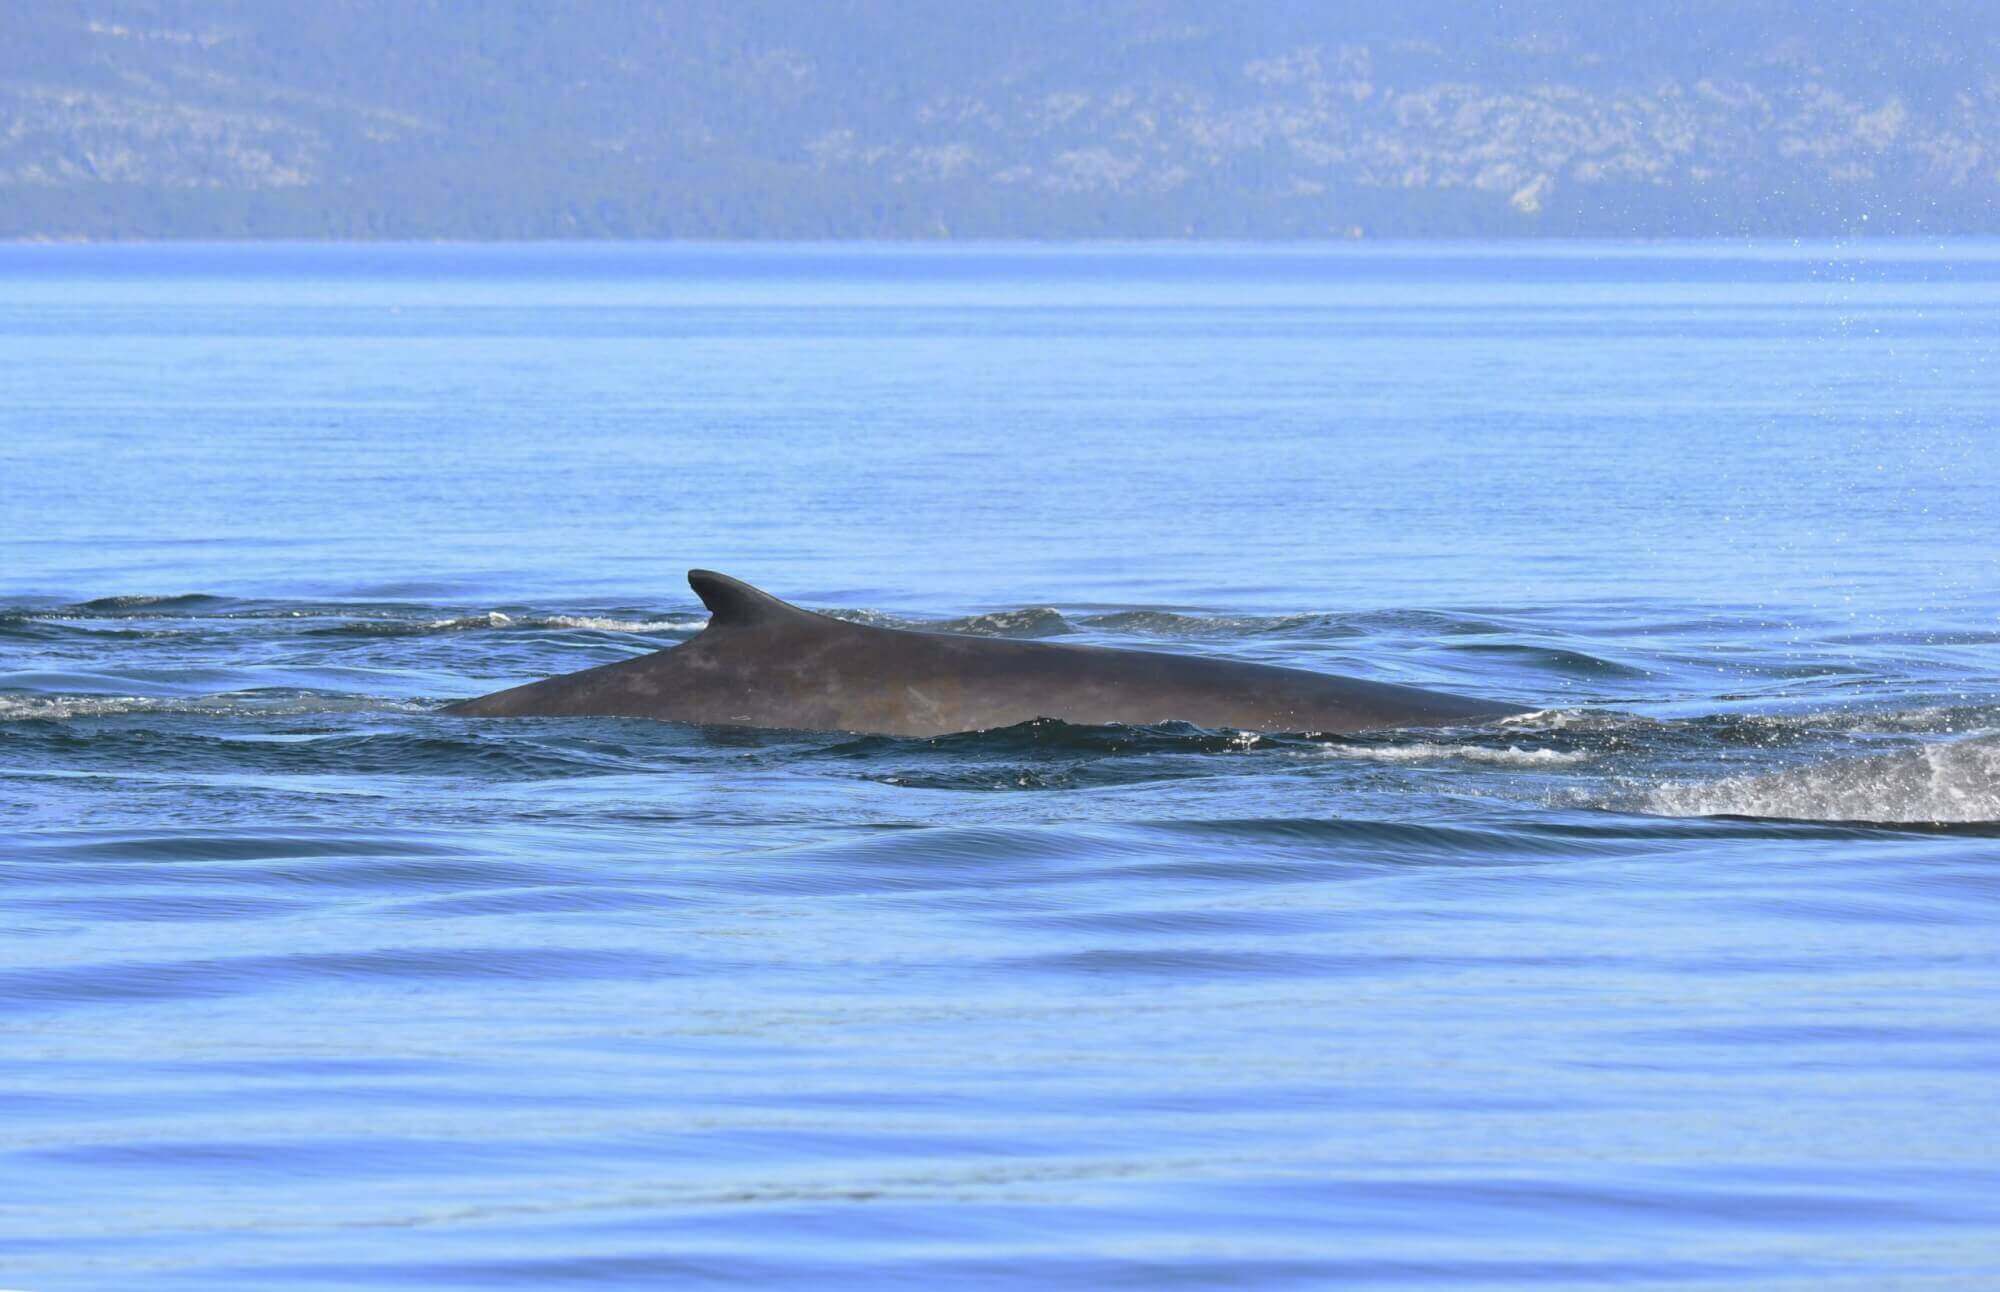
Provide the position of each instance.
(761, 662)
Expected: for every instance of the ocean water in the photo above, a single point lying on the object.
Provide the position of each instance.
(1689, 977)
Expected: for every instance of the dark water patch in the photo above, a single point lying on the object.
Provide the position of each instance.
(135, 605)
(138, 866)
(1717, 828)
(1101, 758)
(429, 749)
(1048, 754)
(197, 845)
(48, 631)
(1384, 842)
(1051, 735)
(1920, 637)
(25, 991)
(1000, 779)
(329, 875)
(1865, 827)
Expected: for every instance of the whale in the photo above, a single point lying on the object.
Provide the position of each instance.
(763, 662)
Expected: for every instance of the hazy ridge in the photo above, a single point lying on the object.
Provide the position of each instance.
(884, 119)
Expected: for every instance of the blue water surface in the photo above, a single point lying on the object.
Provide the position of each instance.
(1689, 977)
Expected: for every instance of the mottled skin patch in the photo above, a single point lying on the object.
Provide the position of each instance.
(761, 662)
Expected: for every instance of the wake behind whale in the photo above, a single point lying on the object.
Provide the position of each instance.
(1953, 782)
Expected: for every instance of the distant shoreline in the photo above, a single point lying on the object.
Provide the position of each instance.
(1870, 236)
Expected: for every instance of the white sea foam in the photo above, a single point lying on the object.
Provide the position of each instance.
(604, 623)
(1955, 781)
(1574, 720)
(491, 619)
(1424, 751)
(26, 708)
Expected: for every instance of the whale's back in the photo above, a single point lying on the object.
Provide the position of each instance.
(764, 663)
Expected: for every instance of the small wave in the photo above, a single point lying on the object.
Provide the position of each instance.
(414, 627)
(1031, 621)
(500, 620)
(1168, 623)
(1948, 782)
(1046, 621)
(86, 628)
(1034, 621)
(1317, 626)
(1424, 751)
(1556, 660)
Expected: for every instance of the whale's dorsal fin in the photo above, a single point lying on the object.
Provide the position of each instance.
(732, 603)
